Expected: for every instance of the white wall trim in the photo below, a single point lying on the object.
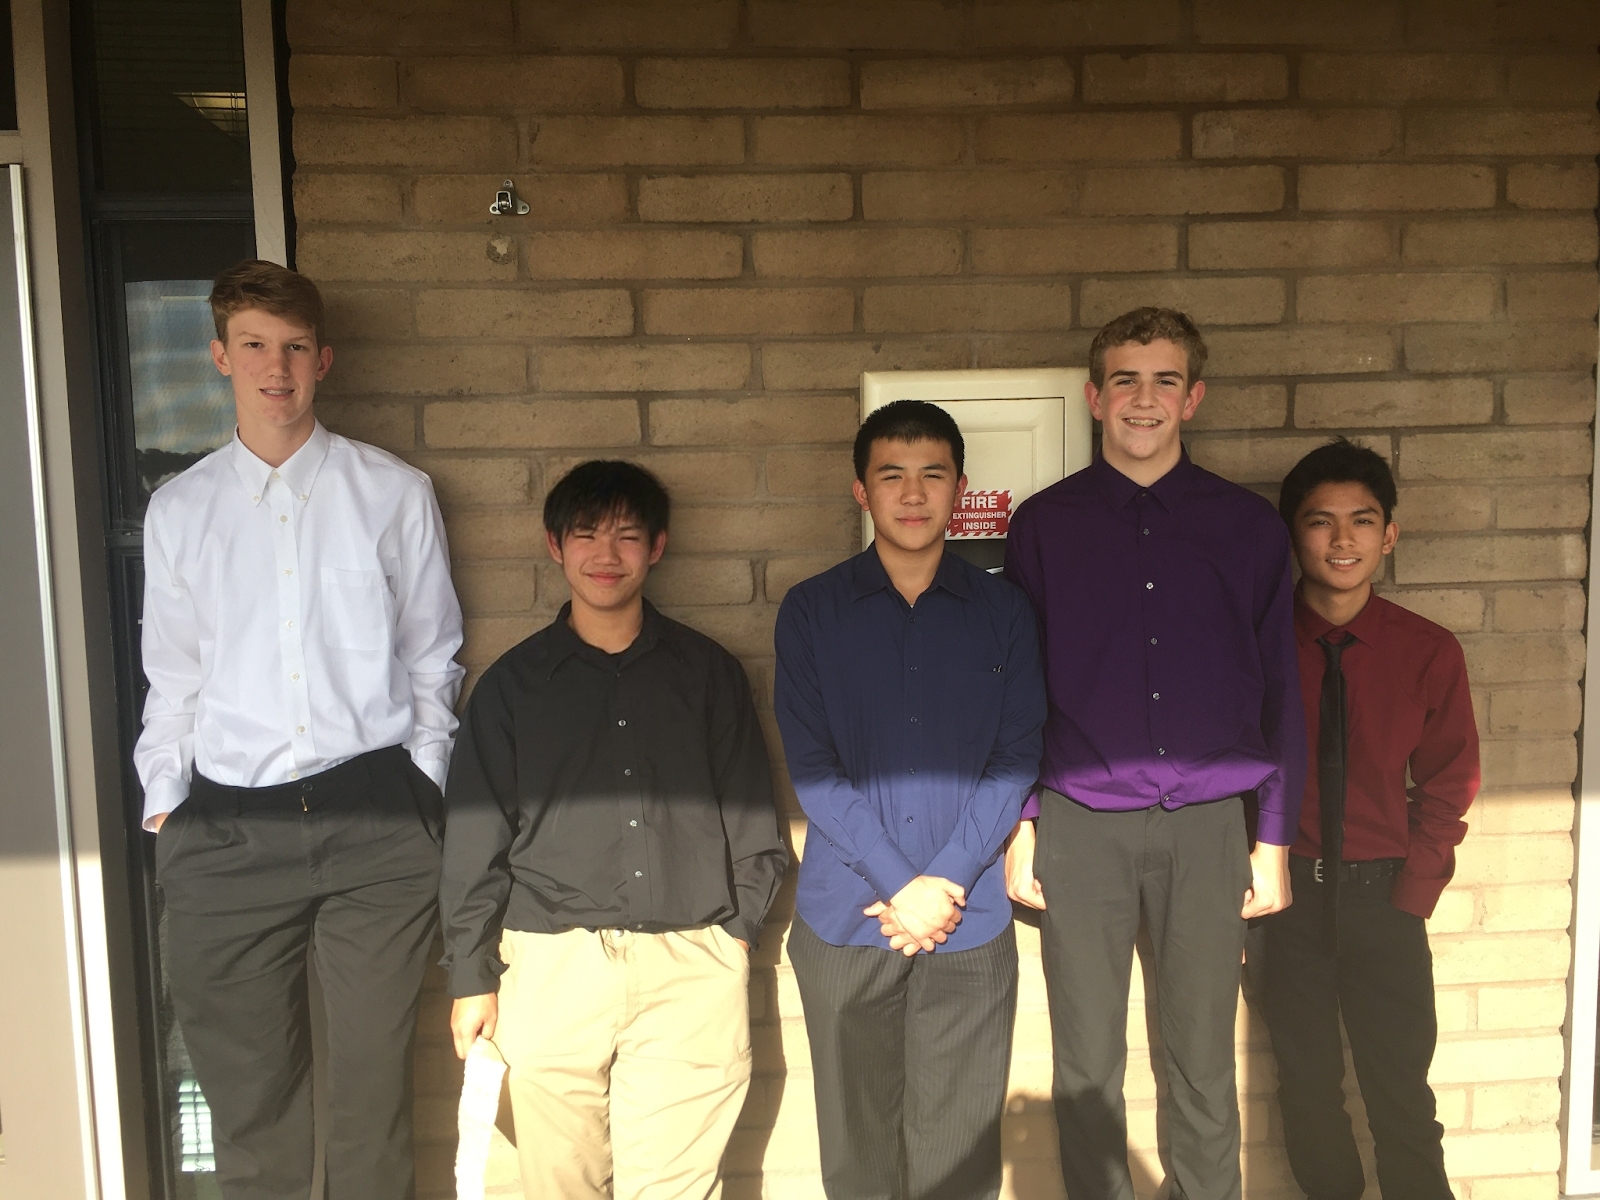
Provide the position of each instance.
(261, 113)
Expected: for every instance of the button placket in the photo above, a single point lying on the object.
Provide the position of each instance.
(1144, 549)
(630, 792)
(291, 625)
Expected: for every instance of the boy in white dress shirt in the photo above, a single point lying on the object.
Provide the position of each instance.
(299, 635)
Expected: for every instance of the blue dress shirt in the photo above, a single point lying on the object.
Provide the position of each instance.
(912, 735)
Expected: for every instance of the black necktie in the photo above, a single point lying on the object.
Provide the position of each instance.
(1333, 744)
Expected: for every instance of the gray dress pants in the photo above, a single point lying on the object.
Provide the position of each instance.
(1186, 871)
(344, 864)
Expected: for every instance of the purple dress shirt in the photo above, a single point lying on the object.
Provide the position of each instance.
(1168, 623)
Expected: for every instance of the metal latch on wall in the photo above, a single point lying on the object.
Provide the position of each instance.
(506, 202)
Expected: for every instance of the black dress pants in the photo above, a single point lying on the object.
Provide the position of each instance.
(345, 862)
(1186, 872)
(1381, 982)
(910, 1058)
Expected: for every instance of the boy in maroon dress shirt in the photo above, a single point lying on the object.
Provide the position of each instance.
(1394, 768)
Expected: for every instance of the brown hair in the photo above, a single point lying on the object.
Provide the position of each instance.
(1146, 325)
(254, 283)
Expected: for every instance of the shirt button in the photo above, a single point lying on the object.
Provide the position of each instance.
(908, 820)
(913, 771)
(275, 475)
(288, 571)
(299, 728)
(288, 624)
(621, 723)
(1148, 586)
(638, 874)
(1161, 749)
(1146, 532)
(913, 720)
(295, 676)
(627, 770)
(255, 499)
(1155, 695)
(303, 499)
(1166, 799)
(282, 519)
(633, 824)
(1152, 641)
(294, 774)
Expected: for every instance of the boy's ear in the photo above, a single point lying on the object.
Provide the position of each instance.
(219, 356)
(552, 544)
(1391, 535)
(658, 548)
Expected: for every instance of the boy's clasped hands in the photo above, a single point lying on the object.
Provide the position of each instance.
(921, 915)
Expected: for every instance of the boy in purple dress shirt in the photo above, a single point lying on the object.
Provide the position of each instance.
(1166, 605)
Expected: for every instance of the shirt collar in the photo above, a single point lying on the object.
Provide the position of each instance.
(867, 575)
(1313, 625)
(298, 473)
(565, 642)
(1120, 491)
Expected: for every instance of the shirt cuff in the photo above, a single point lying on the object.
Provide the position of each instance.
(1030, 807)
(956, 865)
(1275, 828)
(476, 975)
(435, 769)
(742, 930)
(162, 796)
(1416, 896)
(886, 869)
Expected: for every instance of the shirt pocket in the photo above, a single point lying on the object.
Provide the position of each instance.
(356, 609)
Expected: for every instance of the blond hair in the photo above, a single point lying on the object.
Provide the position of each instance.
(255, 283)
(1146, 325)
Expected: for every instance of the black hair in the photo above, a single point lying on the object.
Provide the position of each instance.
(1338, 461)
(601, 490)
(908, 421)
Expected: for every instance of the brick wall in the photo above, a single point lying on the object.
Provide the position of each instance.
(1381, 211)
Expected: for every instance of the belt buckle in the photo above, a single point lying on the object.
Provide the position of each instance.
(1318, 871)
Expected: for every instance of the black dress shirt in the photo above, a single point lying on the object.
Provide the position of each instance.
(593, 790)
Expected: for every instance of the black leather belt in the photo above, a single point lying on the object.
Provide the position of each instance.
(1374, 870)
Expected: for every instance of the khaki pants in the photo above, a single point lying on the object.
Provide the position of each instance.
(628, 1058)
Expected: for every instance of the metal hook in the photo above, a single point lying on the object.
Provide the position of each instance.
(506, 202)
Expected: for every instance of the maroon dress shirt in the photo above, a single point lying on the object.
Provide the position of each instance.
(1409, 708)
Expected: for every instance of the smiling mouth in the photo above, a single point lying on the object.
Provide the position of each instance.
(1343, 562)
(1142, 422)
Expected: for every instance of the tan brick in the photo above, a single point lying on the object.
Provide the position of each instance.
(342, 81)
(1555, 79)
(1076, 248)
(1471, 559)
(1495, 1106)
(1518, 1187)
(1069, 348)
(1235, 301)
(766, 527)
(497, 533)
(688, 474)
(1079, 137)
(746, 198)
(1522, 1007)
(700, 367)
(524, 314)
(1453, 1006)
(1550, 400)
(595, 25)
(644, 141)
(1395, 187)
(965, 83)
(364, 313)
(1366, 299)
(1457, 610)
(1398, 78)
(1562, 23)
(1506, 958)
(744, 83)
(1542, 345)
(461, 481)
(530, 424)
(688, 579)
(1529, 760)
(1524, 810)
(428, 23)
(1243, 245)
(1554, 709)
(1149, 191)
(1250, 459)
(867, 140)
(1553, 185)
(635, 254)
(1305, 350)
(1487, 241)
(1524, 657)
(1543, 506)
(749, 310)
(809, 473)
(1446, 510)
(1525, 610)
(754, 420)
(329, 199)
(1297, 133)
(1053, 25)
(382, 423)
(1478, 1153)
(406, 257)
(525, 83)
(1553, 296)
(1184, 78)
(1503, 131)
(848, 253)
(417, 143)
(1251, 406)
(1335, 22)
(958, 308)
(552, 200)
(414, 370)
(494, 587)
(1402, 402)
(980, 195)
(860, 25)
(796, 366)
(783, 573)
(1518, 858)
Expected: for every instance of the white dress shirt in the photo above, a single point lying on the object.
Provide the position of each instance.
(293, 619)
